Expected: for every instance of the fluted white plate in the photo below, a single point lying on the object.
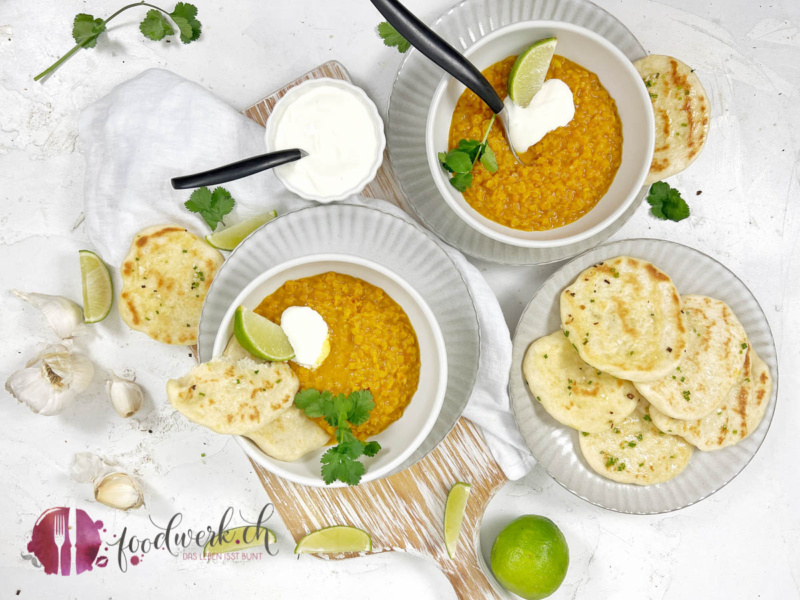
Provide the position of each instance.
(367, 232)
(413, 90)
(556, 446)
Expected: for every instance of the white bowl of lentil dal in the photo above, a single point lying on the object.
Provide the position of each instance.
(579, 178)
(383, 337)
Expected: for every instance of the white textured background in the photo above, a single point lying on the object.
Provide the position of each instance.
(741, 543)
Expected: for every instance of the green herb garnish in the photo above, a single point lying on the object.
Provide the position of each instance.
(666, 202)
(391, 37)
(461, 160)
(341, 463)
(157, 24)
(212, 206)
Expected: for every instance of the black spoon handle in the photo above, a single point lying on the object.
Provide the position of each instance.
(439, 51)
(237, 170)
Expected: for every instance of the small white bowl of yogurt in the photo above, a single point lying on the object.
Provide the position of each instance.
(339, 127)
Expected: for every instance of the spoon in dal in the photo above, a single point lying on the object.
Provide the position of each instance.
(448, 58)
(239, 169)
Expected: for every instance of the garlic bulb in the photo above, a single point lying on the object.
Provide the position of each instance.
(119, 490)
(88, 467)
(126, 396)
(63, 315)
(58, 377)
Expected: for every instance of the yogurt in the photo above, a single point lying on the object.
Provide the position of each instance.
(552, 107)
(308, 334)
(336, 125)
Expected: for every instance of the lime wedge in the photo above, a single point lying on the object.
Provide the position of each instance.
(454, 515)
(261, 337)
(528, 72)
(236, 540)
(98, 291)
(334, 540)
(230, 237)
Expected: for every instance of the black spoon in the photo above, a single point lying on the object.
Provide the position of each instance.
(239, 169)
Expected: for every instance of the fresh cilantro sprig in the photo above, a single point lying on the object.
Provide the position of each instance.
(212, 206)
(461, 160)
(155, 26)
(341, 463)
(392, 38)
(666, 202)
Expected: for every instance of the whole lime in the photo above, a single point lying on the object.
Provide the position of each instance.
(530, 557)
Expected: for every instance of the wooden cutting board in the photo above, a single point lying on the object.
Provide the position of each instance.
(404, 512)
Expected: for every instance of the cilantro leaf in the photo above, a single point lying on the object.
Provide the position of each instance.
(362, 405)
(473, 148)
(310, 402)
(86, 27)
(392, 37)
(212, 206)
(185, 17)
(338, 466)
(371, 448)
(155, 26)
(458, 161)
(488, 159)
(461, 181)
(666, 202)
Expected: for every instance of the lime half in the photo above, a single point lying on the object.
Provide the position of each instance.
(98, 291)
(334, 540)
(230, 237)
(239, 538)
(261, 337)
(529, 71)
(454, 515)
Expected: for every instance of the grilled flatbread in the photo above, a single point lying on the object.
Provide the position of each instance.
(624, 317)
(634, 451)
(682, 114)
(165, 278)
(573, 392)
(737, 417)
(234, 397)
(717, 348)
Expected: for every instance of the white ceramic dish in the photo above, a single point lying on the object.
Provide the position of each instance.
(556, 446)
(404, 436)
(282, 104)
(618, 76)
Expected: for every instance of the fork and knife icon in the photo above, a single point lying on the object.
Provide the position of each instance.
(65, 527)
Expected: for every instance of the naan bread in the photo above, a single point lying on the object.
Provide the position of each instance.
(165, 278)
(624, 317)
(682, 114)
(716, 351)
(573, 392)
(739, 415)
(634, 451)
(234, 397)
(290, 436)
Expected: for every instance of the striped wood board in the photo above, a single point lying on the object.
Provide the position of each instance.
(404, 512)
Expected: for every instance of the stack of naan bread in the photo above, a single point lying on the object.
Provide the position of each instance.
(644, 374)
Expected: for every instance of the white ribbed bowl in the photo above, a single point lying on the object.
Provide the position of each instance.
(556, 446)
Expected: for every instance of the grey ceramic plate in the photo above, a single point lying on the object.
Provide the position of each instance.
(555, 446)
(403, 247)
(416, 81)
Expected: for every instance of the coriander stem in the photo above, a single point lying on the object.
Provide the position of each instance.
(483, 141)
(77, 47)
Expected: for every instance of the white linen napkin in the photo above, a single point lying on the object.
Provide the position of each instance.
(158, 125)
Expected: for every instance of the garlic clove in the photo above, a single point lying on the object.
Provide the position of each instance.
(62, 314)
(51, 380)
(88, 467)
(120, 491)
(126, 396)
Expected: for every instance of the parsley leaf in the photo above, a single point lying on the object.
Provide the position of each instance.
(392, 37)
(341, 463)
(85, 29)
(666, 202)
(155, 26)
(185, 17)
(212, 206)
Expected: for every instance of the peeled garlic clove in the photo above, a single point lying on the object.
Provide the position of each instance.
(120, 491)
(52, 380)
(126, 396)
(63, 315)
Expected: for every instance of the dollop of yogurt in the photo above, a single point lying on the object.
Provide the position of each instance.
(308, 334)
(337, 128)
(552, 107)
